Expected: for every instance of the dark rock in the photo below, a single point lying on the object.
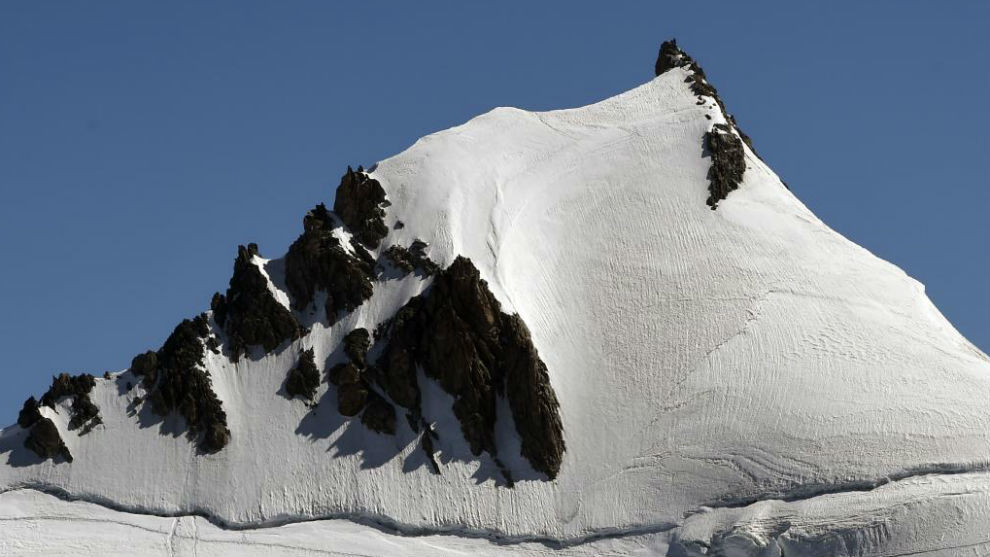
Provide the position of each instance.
(412, 259)
(352, 390)
(362, 254)
(45, 440)
(175, 381)
(65, 385)
(457, 333)
(213, 345)
(420, 259)
(398, 360)
(534, 405)
(318, 261)
(673, 57)
(78, 387)
(249, 313)
(399, 225)
(342, 374)
(670, 57)
(356, 345)
(303, 379)
(360, 203)
(145, 365)
(351, 398)
(400, 258)
(728, 163)
(83, 410)
(90, 425)
(379, 416)
(29, 413)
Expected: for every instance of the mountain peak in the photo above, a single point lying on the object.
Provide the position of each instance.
(556, 327)
(671, 56)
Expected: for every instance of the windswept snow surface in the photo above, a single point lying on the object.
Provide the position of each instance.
(740, 366)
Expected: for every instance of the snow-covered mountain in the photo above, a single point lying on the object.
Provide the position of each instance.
(609, 329)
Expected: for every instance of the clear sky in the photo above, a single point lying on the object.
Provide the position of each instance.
(140, 142)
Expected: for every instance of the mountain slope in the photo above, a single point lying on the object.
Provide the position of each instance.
(711, 344)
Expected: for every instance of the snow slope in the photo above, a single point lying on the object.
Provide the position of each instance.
(735, 376)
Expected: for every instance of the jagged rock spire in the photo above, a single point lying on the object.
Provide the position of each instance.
(670, 57)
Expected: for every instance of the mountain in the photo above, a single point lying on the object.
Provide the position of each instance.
(609, 329)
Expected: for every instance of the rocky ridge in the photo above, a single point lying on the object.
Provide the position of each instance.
(455, 332)
(723, 142)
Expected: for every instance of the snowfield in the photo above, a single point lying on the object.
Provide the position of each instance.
(742, 380)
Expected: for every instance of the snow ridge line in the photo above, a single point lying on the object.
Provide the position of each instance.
(389, 526)
(812, 491)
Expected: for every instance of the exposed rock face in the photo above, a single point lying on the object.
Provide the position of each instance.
(83, 410)
(413, 259)
(670, 57)
(534, 405)
(318, 261)
(354, 389)
(29, 413)
(249, 313)
(356, 345)
(303, 379)
(457, 333)
(43, 436)
(176, 381)
(45, 440)
(360, 203)
(85, 414)
(728, 163)
(398, 360)
(673, 57)
(65, 385)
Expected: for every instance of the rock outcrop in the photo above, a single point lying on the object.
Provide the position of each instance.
(249, 314)
(723, 137)
(360, 203)
(458, 334)
(317, 261)
(45, 440)
(175, 381)
(356, 345)
(355, 392)
(29, 413)
(43, 435)
(728, 163)
(411, 259)
(303, 379)
(83, 411)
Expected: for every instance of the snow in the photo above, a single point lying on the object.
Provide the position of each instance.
(716, 369)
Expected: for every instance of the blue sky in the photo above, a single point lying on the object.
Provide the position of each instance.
(140, 142)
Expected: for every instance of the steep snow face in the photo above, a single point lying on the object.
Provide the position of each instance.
(703, 359)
